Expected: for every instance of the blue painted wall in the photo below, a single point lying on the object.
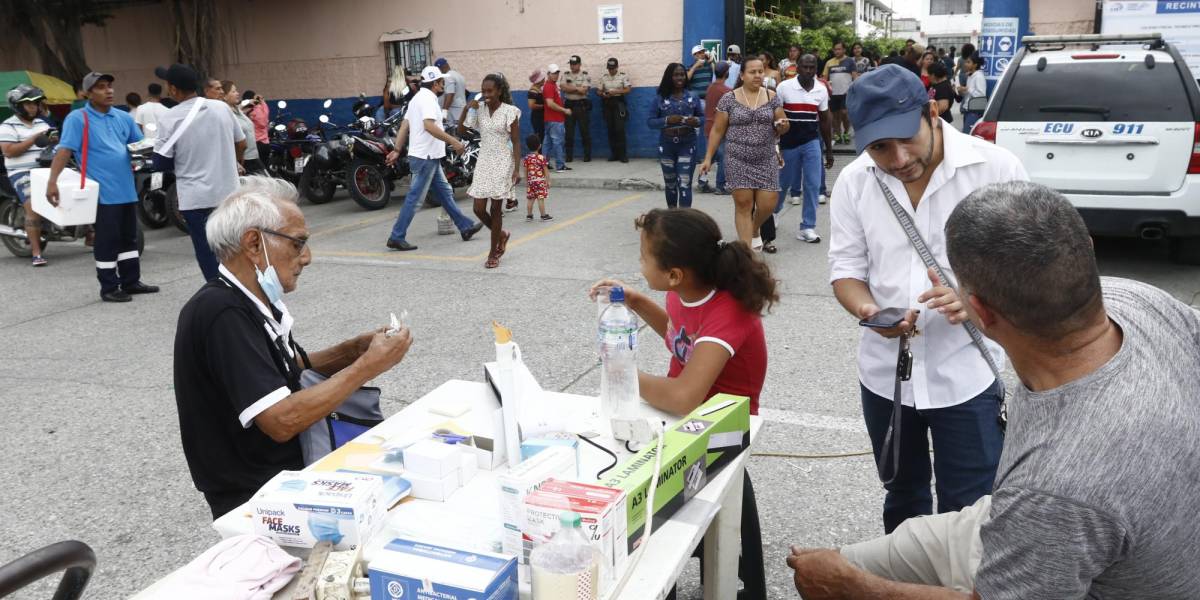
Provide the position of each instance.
(642, 142)
(702, 20)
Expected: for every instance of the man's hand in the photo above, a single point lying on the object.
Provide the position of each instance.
(829, 158)
(384, 351)
(944, 299)
(868, 310)
(52, 192)
(241, 169)
(567, 111)
(392, 157)
(823, 574)
(458, 147)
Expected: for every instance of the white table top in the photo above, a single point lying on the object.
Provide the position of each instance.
(476, 506)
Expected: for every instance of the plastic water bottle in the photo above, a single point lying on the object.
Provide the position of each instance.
(619, 392)
(568, 566)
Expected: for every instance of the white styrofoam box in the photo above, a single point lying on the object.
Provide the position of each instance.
(75, 206)
(432, 459)
(469, 468)
(437, 489)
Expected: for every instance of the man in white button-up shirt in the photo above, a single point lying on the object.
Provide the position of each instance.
(952, 394)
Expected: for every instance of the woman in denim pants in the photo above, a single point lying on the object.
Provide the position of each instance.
(677, 113)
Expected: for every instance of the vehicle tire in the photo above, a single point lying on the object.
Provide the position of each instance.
(1185, 250)
(173, 214)
(152, 208)
(367, 184)
(316, 185)
(13, 215)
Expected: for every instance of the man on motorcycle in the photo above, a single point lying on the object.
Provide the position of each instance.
(107, 134)
(17, 136)
(422, 131)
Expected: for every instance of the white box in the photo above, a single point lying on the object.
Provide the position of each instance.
(432, 459)
(602, 511)
(75, 206)
(299, 508)
(437, 489)
(519, 482)
(414, 570)
(468, 469)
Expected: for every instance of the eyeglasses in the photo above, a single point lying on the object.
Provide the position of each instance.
(298, 243)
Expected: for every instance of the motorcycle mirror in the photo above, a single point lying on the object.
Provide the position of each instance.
(41, 141)
(280, 127)
(327, 103)
(323, 118)
(362, 96)
(281, 104)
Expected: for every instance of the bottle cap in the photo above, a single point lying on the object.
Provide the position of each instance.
(616, 294)
(570, 519)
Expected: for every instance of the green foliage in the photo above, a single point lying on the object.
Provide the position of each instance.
(773, 35)
(822, 23)
(883, 46)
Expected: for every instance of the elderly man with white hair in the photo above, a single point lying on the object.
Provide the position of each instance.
(237, 369)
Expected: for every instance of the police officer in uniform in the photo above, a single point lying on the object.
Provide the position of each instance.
(575, 86)
(614, 85)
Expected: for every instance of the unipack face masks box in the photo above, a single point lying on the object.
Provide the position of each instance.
(301, 508)
(410, 570)
(519, 482)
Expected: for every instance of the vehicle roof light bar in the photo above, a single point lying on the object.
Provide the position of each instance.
(1153, 39)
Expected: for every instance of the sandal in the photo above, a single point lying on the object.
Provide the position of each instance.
(493, 261)
(769, 248)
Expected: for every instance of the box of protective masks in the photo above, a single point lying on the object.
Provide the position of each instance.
(301, 508)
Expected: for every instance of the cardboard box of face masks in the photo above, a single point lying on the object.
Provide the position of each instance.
(411, 570)
(694, 448)
(300, 508)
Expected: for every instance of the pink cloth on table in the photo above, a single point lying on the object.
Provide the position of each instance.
(245, 567)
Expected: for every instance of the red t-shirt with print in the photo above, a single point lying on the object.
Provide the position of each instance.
(720, 319)
(550, 92)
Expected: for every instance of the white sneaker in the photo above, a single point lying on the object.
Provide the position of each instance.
(796, 200)
(822, 199)
(809, 235)
(756, 244)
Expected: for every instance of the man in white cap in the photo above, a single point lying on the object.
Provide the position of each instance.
(700, 74)
(422, 131)
(734, 56)
(555, 116)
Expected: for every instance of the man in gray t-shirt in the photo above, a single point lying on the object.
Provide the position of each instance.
(1097, 494)
(454, 99)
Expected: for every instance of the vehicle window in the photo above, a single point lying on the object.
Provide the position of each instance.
(1097, 91)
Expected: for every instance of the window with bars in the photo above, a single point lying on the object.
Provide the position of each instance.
(413, 55)
(949, 7)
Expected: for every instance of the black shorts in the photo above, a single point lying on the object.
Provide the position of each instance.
(837, 102)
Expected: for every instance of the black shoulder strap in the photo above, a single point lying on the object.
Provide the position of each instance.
(279, 354)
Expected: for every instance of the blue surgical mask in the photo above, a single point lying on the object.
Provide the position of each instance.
(269, 280)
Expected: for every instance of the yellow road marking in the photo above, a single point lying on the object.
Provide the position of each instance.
(517, 242)
(358, 223)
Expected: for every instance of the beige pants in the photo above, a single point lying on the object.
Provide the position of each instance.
(941, 550)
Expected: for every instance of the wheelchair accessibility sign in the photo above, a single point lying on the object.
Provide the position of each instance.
(612, 28)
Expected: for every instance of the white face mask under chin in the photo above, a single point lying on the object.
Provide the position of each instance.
(268, 280)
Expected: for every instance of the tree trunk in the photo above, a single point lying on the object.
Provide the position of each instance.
(65, 58)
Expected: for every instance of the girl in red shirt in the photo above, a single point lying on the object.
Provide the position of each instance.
(712, 325)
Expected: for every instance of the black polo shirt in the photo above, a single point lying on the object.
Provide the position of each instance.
(226, 369)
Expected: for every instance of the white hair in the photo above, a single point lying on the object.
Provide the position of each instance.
(254, 205)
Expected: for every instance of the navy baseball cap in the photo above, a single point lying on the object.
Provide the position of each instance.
(441, 62)
(885, 103)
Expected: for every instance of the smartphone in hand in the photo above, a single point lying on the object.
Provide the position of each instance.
(887, 318)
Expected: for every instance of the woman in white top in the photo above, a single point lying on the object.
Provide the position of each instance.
(250, 162)
(976, 88)
(499, 165)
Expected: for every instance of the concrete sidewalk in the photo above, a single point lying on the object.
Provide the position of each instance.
(640, 174)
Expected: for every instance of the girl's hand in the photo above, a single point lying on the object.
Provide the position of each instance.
(693, 122)
(474, 104)
(674, 120)
(603, 285)
(516, 175)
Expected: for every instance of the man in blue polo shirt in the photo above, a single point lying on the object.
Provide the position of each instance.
(107, 133)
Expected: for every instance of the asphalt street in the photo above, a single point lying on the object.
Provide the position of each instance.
(90, 448)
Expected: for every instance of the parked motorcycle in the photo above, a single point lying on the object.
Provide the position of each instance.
(153, 186)
(290, 146)
(368, 176)
(12, 214)
(326, 169)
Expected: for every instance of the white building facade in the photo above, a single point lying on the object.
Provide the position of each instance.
(871, 17)
(946, 23)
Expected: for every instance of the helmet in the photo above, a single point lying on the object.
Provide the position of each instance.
(361, 109)
(24, 93)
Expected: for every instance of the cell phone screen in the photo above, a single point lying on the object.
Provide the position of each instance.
(885, 319)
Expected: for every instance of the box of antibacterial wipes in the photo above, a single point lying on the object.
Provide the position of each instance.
(301, 508)
(411, 570)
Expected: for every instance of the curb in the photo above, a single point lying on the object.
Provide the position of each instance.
(591, 183)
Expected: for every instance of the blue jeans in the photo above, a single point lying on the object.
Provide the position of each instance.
(675, 156)
(969, 120)
(967, 440)
(427, 172)
(196, 220)
(802, 168)
(554, 146)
